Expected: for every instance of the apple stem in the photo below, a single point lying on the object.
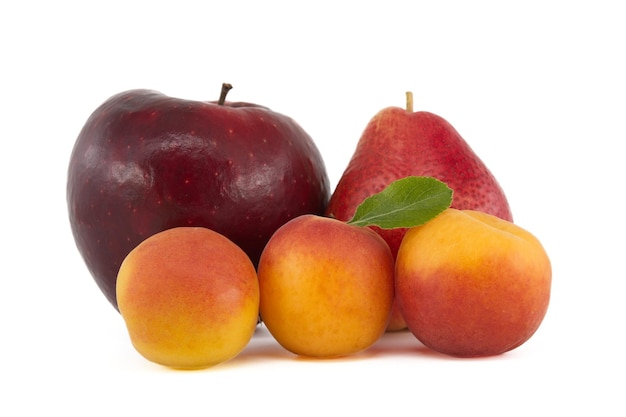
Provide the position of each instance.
(225, 89)
(409, 102)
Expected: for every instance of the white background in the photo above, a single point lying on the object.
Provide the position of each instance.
(537, 90)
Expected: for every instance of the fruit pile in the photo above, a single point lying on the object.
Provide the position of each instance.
(198, 220)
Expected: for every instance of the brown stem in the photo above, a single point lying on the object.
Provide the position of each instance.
(409, 102)
(225, 89)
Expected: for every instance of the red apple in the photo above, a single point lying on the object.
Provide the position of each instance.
(145, 162)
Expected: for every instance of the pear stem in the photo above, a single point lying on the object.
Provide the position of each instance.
(409, 102)
(225, 89)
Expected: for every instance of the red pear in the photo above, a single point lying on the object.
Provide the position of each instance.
(400, 142)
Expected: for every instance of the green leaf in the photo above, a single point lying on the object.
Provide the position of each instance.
(407, 202)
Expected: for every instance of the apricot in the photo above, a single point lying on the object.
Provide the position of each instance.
(326, 287)
(471, 284)
(189, 298)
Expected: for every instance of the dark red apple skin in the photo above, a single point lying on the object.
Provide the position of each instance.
(145, 162)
